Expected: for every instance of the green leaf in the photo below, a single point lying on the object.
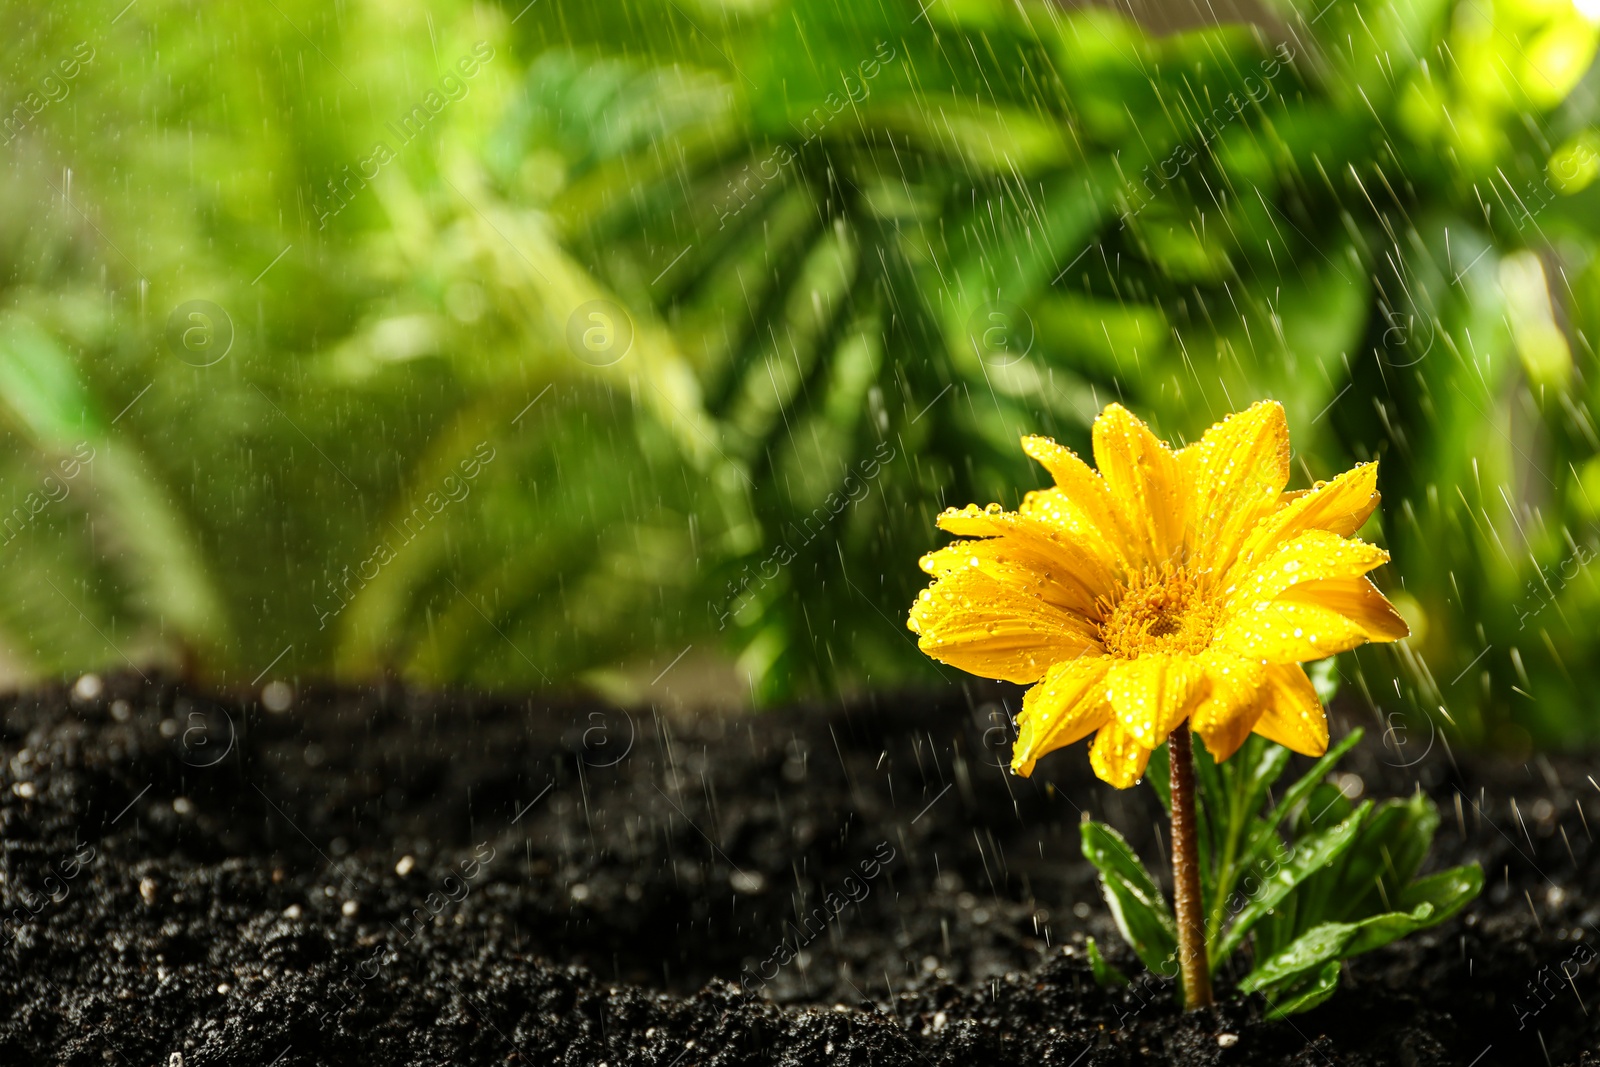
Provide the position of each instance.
(1213, 809)
(1306, 997)
(1300, 789)
(1230, 795)
(1331, 942)
(1158, 772)
(1263, 833)
(158, 549)
(1319, 770)
(1324, 675)
(1309, 855)
(1326, 806)
(1416, 821)
(1136, 903)
(1391, 846)
(1262, 763)
(1390, 926)
(1448, 891)
(40, 388)
(1311, 950)
(1105, 974)
(1210, 778)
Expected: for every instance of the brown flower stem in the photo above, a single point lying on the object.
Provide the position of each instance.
(1186, 875)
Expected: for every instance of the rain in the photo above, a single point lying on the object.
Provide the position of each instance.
(703, 532)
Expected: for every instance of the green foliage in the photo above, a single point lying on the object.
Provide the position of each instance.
(1104, 972)
(1135, 900)
(1341, 881)
(859, 250)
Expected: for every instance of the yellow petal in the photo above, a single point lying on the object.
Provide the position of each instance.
(1154, 693)
(1292, 715)
(1224, 718)
(1142, 476)
(1339, 506)
(1116, 757)
(1054, 509)
(1068, 705)
(1022, 551)
(971, 621)
(1235, 473)
(1289, 632)
(1313, 556)
(1080, 502)
(1011, 564)
(1358, 600)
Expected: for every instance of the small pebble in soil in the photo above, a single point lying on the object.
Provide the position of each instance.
(405, 866)
(349, 908)
(88, 687)
(147, 890)
(1227, 1040)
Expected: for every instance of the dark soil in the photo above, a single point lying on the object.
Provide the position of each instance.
(393, 877)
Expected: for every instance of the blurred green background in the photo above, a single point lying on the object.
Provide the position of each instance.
(525, 346)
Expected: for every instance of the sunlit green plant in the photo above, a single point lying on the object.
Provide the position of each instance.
(1297, 884)
(1166, 595)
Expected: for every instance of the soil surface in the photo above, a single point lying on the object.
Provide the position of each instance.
(395, 877)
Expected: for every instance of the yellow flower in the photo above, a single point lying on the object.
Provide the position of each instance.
(1166, 586)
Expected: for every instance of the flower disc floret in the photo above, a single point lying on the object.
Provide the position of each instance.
(1166, 610)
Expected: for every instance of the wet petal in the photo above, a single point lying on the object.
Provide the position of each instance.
(1117, 758)
(972, 621)
(1339, 506)
(1080, 503)
(1358, 600)
(1292, 715)
(1224, 718)
(1023, 551)
(1289, 632)
(1068, 705)
(1313, 556)
(1142, 476)
(1235, 473)
(1152, 694)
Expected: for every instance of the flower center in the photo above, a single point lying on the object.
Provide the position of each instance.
(1163, 610)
